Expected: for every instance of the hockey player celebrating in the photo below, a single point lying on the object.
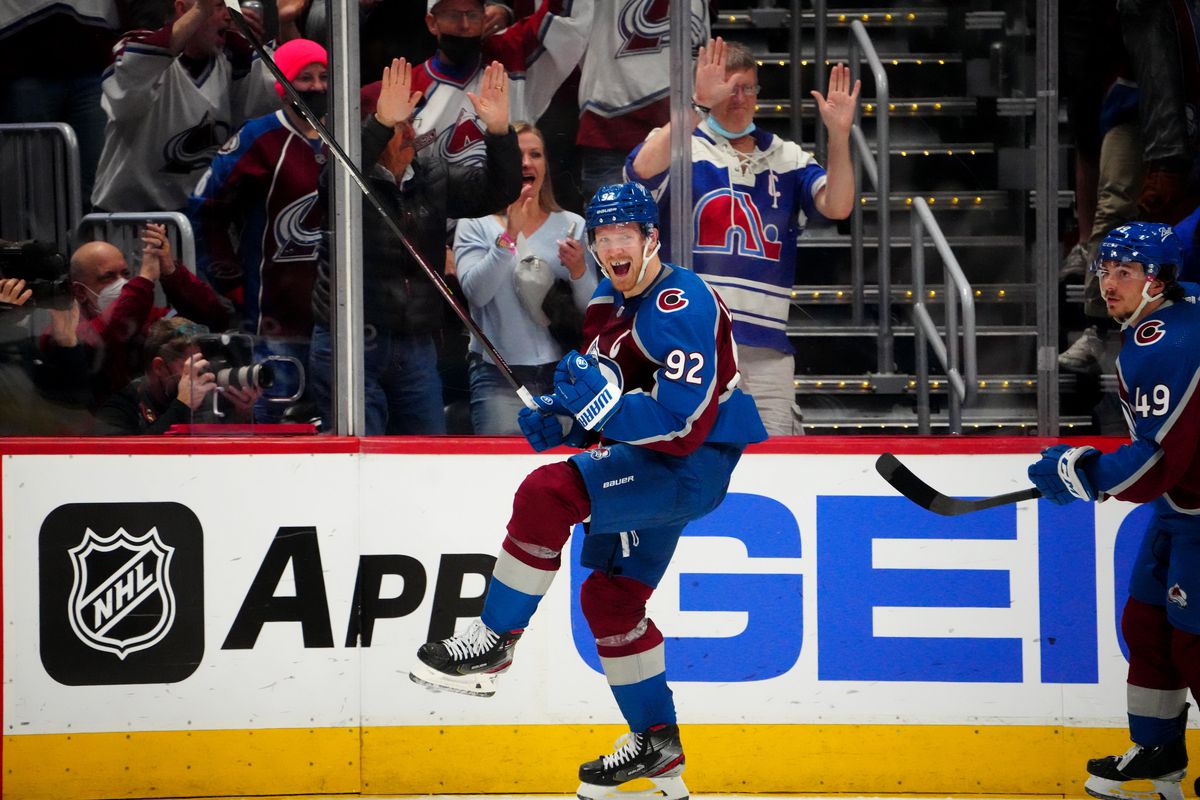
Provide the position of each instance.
(1158, 370)
(658, 388)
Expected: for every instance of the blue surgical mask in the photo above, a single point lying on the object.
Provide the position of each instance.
(718, 128)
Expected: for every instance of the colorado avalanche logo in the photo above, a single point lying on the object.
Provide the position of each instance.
(731, 224)
(297, 230)
(1177, 595)
(121, 599)
(669, 300)
(645, 27)
(1149, 332)
(463, 143)
(192, 149)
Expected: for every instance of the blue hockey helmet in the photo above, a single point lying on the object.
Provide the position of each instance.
(621, 202)
(1154, 245)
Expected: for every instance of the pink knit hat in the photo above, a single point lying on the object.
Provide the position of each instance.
(295, 55)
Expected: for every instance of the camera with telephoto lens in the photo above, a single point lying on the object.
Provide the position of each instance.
(230, 359)
(42, 267)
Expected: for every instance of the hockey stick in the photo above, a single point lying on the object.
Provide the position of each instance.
(439, 282)
(906, 483)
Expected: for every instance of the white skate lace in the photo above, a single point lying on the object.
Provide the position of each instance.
(627, 746)
(473, 642)
(1129, 756)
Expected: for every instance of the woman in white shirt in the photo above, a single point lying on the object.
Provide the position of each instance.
(498, 266)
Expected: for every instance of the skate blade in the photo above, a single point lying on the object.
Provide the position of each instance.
(1164, 788)
(483, 685)
(672, 788)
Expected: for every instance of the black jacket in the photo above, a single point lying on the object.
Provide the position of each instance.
(397, 295)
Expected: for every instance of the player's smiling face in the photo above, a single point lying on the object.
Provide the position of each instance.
(619, 249)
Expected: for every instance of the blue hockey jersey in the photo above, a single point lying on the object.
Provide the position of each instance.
(747, 210)
(1158, 371)
(672, 353)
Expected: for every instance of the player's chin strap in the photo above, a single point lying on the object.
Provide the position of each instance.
(647, 254)
(1147, 298)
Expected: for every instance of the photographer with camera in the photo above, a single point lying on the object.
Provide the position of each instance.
(116, 311)
(176, 388)
(38, 395)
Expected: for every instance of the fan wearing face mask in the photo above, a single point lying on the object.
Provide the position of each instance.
(258, 220)
(116, 308)
(538, 52)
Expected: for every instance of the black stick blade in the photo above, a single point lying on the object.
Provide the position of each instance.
(906, 483)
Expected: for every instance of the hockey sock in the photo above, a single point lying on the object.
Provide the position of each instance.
(1156, 693)
(631, 648)
(1185, 647)
(549, 502)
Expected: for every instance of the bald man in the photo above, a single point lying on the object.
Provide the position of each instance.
(116, 311)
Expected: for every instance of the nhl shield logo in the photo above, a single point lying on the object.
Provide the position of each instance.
(121, 599)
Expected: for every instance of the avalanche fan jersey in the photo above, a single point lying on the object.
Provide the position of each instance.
(264, 183)
(625, 76)
(17, 14)
(672, 352)
(165, 123)
(747, 210)
(1158, 371)
(539, 52)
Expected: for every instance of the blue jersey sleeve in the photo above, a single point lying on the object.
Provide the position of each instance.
(1159, 369)
(811, 179)
(676, 330)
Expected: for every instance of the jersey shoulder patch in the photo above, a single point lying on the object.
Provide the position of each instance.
(671, 299)
(1149, 332)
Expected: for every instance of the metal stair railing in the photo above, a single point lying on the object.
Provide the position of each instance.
(41, 197)
(963, 382)
(878, 169)
(122, 229)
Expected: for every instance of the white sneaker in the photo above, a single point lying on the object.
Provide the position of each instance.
(1075, 265)
(1084, 354)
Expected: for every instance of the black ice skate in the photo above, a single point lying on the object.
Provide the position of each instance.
(656, 754)
(1163, 766)
(468, 662)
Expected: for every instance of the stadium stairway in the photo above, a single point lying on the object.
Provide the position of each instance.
(961, 129)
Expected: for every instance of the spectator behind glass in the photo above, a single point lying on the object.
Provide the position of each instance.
(541, 50)
(263, 185)
(52, 54)
(40, 396)
(487, 259)
(623, 88)
(401, 307)
(176, 388)
(116, 311)
(750, 257)
(386, 28)
(172, 97)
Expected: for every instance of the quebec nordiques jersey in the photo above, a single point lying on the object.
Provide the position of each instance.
(264, 180)
(539, 52)
(747, 210)
(1158, 371)
(671, 348)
